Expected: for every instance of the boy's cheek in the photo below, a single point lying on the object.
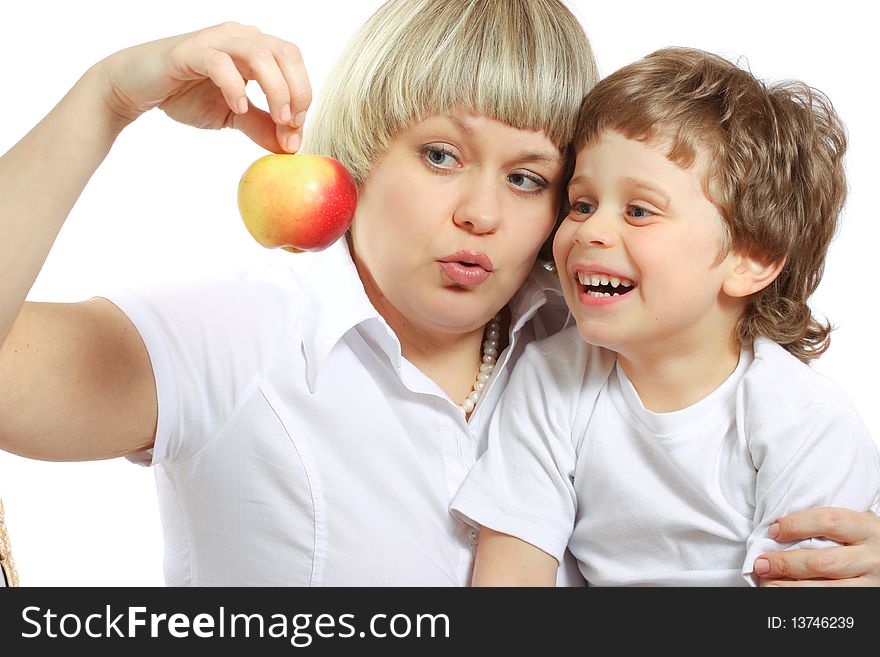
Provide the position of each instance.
(561, 255)
(561, 247)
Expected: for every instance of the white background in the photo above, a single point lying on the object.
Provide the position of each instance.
(164, 206)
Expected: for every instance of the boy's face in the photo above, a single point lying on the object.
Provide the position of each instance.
(639, 219)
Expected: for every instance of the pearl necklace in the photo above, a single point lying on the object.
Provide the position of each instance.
(490, 355)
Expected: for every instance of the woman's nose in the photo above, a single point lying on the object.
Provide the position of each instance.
(479, 208)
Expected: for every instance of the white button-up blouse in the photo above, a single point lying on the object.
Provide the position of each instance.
(295, 445)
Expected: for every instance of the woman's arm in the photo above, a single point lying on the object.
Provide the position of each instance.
(855, 563)
(75, 379)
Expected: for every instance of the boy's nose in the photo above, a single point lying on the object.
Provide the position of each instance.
(597, 230)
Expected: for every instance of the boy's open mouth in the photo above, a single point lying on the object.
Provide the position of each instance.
(604, 285)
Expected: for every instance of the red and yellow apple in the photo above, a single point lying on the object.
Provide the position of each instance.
(297, 202)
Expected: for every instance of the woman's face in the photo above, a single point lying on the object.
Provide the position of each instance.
(451, 218)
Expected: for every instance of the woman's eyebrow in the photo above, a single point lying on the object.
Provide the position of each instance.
(457, 122)
(539, 157)
(554, 161)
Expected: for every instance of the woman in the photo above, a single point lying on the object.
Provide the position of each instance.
(305, 424)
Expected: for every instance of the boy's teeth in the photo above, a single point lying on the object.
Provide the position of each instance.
(600, 279)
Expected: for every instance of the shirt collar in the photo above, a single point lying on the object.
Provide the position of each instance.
(336, 302)
(541, 290)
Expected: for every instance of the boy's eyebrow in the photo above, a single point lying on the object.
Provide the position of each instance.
(576, 180)
(635, 182)
(649, 187)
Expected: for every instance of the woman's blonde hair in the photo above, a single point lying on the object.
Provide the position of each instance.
(526, 63)
(775, 170)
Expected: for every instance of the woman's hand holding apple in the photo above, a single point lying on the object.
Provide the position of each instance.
(199, 79)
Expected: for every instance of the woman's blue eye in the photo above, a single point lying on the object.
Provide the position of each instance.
(525, 182)
(439, 157)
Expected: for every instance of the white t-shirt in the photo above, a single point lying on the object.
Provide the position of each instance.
(680, 499)
(295, 445)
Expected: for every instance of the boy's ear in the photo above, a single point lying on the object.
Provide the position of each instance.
(750, 273)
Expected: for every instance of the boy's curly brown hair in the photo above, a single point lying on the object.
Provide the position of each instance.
(775, 170)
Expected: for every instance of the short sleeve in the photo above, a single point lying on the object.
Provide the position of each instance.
(523, 485)
(208, 342)
(823, 456)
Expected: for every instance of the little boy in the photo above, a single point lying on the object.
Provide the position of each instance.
(661, 437)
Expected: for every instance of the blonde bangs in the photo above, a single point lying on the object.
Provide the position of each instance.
(526, 63)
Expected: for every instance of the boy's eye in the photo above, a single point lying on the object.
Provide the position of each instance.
(582, 209)
(638, 212)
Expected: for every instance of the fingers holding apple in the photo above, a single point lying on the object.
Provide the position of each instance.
(297, 202)
(200, 79)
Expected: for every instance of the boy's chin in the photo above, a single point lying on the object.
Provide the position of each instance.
(596, 335)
